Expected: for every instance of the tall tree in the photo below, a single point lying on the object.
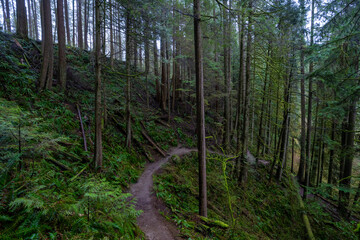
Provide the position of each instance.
(302, 165)
(308, 136)
(80, 26)
(227, 75)
(147, 60)
(98, 156)
(8, 24)
(61, 41)
(200, 122)
(245, 127)
(128, 82)
(46, 73)
(156, 70)
(67, 22)
(164, 75)
(4, 14)
(21, 19)
(111, 37)
(73, 22)
(30, 19)
(86, 24)
(34, 10)
(241, 84)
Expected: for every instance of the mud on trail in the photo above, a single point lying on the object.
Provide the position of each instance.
(154, 226)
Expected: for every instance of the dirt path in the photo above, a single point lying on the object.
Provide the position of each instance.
(150, 221)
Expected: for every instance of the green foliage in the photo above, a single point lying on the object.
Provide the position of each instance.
(161, 135)
(261, 211)
(40, 199)
(81, 209)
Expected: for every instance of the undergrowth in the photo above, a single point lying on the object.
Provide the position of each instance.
(262, 210)
(47, 187)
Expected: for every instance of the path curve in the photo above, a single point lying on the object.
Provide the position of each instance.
(150, 221)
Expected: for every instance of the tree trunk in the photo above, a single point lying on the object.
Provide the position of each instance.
(8, 24)
(200, 111)
(4, 15)
(80, 26)
(55, 27)
(30, 19)
(61, 36)
(240, 87)
(292, 154)
(331, 154)
(156, 72)
(260, 134)
(163, 73)
(322, 160)
(46, 72)
(168, 85)
(178, 78)
(308, 137)
(67, 22)
(98, 119)
(302, 165)
(285, 128)
(120, 41)
(313, 158)
(268, 125)
(35, 19)
(111, 38)
(147, 61)
(21, 19)
(128, 87)
(86, 24)
(103, 30)
(245, 130)
(348, 153)
(73, 18)
(227, 76)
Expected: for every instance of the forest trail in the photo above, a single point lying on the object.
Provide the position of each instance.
(154, 226)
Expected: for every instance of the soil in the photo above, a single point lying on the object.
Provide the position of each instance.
(154, 226)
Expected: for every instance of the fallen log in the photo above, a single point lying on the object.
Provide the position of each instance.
(153, 143)
(82, 128)
(162, 122)
(124, 132)
(59, 164)
(214, 223)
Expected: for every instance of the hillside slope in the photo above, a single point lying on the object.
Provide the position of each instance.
(50, 191)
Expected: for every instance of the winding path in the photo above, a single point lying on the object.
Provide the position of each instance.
(150, 221)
